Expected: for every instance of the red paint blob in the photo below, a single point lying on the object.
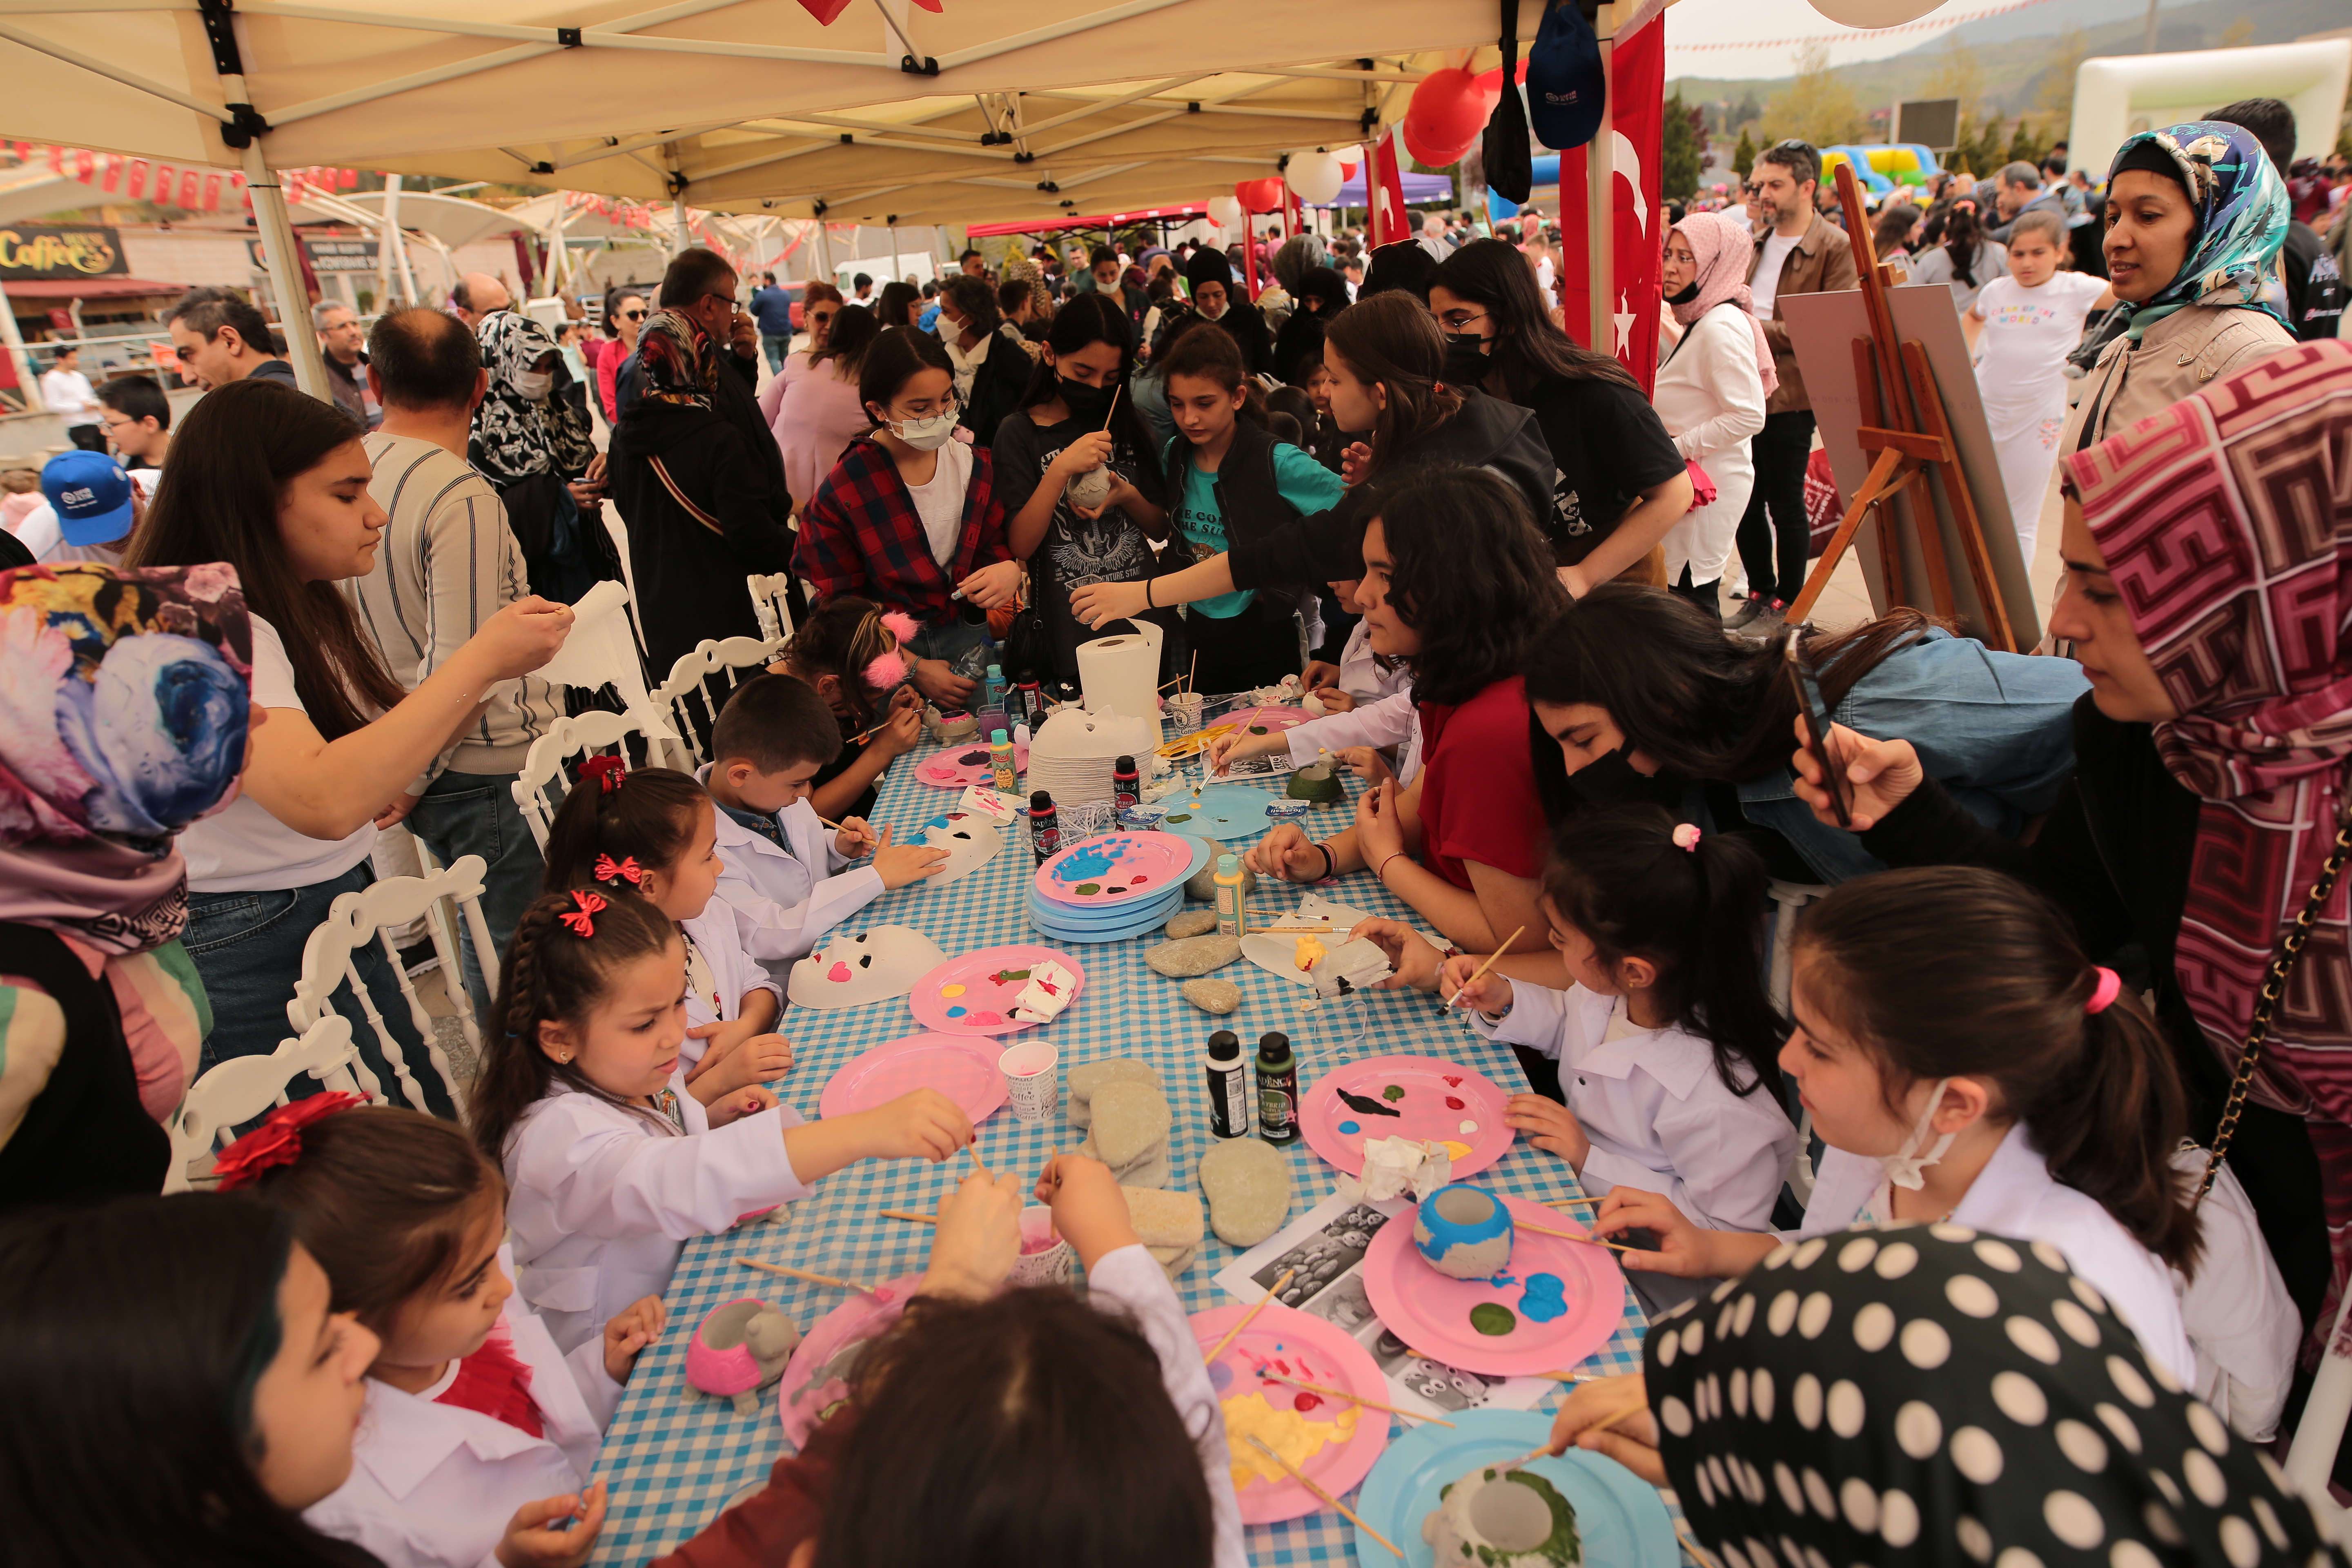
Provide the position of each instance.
(1309, 1402)
(1453, 1104)
(1453, 1082)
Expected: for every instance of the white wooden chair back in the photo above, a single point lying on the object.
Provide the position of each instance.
(597, 731)
(243, 1088)
(771, 602)
(686, 697)
(601, 650)
(353, 921)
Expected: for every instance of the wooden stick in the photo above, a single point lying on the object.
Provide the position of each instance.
(1271, 1292)
(1567, 1202)
(1476, 973)
(973, 1149)
(1196, 672)
(907, 1214)
(1572, 1236)
(1353, 1398)
(1345, 1512)
(792, 1273)
(1114, 404)
(1697, 1553)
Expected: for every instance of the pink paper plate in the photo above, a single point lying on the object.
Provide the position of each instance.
(1439, 1097)
(1296, 1344)
(1431, 1312)
(1117, 868)
(961, 1067)
(952, 767)
(813, 1380)
(1269, 720)
(984, 1006)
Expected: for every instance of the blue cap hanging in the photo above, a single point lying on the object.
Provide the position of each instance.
(1567, 87)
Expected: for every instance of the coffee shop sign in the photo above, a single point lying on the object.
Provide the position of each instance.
(42, 250)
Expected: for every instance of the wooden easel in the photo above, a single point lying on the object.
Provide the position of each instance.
(1905, 427)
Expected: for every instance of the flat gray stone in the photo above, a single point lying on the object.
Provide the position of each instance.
(1201, 887)
(1129, 1120)
(1220, 996)
(1193, 955)
(1087, 1078)
(1192, 923)
(1247, 1183)
(1150, 1168)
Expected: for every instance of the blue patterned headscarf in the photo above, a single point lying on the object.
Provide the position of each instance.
(2241, 217)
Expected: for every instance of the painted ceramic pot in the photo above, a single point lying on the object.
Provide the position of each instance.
(1502, 1518)
(740, 1349)
(1046, 1259)
(1316, 781)
(1463, 1231)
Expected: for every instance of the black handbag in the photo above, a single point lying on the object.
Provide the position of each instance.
(1503, 147)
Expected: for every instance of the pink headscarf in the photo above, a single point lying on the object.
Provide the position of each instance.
(1721, 249)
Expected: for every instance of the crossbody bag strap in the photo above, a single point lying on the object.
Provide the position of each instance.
(661, 472)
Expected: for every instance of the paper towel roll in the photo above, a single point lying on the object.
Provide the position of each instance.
(1121, 674)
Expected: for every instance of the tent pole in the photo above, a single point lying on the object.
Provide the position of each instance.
(27, 382)
(277, 242)
(384, 242)
(559, 262)
(678, 239)
(1601, 214)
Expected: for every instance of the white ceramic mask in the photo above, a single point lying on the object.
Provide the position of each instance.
(970, 840)
(851, 970)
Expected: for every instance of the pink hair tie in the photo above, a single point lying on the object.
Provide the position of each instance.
(901, 624)
(1686, 837)
(2102, 995)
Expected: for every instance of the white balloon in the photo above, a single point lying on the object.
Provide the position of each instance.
(1225, 211)
(1874, 13)
(1315, 177)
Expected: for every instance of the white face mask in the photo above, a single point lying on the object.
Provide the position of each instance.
(1217, 314)
(534, 385)
(1904, 1167)
(925, 435)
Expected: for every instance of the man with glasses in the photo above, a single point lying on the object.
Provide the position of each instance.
(1798, 251)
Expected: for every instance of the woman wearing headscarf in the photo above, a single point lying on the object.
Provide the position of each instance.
(1710, 393)
(1218, 299)
(1320, 294)
(2204, 599)
(127, 721)
(2196, 217)
(1931, 1395)
(706, 501)
(532, 442)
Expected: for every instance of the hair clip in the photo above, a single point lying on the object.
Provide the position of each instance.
(608, 772)
(2102, 995)
(609, 869)
(583, 921)
(1685, 837)
(278, 1140)
(901, 624)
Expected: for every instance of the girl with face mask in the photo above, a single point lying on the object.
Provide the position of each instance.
(1710, 391)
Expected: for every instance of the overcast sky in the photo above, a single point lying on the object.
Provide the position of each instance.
(1728, 21)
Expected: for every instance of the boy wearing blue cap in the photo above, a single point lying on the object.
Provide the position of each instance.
(92, 507)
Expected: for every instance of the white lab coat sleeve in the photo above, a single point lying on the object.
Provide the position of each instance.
(602, 1179)
(1128, 1279)
(1727, 366)
(1727, 1156)
(770, 930)
(586, 1365)
(1538, 1019)
(1387, 722)
(2242, 1323)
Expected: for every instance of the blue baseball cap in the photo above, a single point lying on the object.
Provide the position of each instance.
(1566, 84)
(91, 496)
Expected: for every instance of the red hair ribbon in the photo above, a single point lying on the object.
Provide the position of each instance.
(609, 869)
(278, 1140)
(583, 921)
(608, 772)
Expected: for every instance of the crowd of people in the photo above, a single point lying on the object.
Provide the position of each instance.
(2066, 1003)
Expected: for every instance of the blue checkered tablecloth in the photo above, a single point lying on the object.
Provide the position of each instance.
(674, 1458)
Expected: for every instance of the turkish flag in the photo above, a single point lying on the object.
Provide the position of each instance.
(162, 196)
(137, 189)
(212, 193)
(188, 189)
(1391, 222)
(1637, 88)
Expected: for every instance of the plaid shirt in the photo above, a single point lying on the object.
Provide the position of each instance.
(860, 534)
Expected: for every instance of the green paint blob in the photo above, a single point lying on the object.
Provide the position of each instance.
(1258, 729)
(1182, 816)
(1394, 1092)
(1493, 1318)
(1087, 888)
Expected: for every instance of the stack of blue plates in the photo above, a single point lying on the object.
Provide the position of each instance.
(1113, 922)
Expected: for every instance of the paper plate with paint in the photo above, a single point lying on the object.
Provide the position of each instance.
(974, 995)
(1620, 1519)
(1265, 721)
(1116, 869)
(1556, 1303)
(953, 767)
(817, 1380)
(855, 968)
(1221, 811)
(1332, 1441)
(961, 1067)
(1407, 1096)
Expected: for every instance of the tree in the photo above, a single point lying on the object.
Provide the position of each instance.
(1743, 157)
(1748, 111)
(1958, 75)
(1684, 151)
(1818, 107)
(2024, 146)
(2054, 95)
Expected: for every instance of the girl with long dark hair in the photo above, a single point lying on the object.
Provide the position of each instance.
(275, 484)
(1964, 260)
(991, 357)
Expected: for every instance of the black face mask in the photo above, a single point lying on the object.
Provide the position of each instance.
(1466, 359)
(1689, 292)
(1090, 404)
(1613, 780)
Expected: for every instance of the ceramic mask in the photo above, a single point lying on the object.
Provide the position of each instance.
(970, 840)
(850, 971)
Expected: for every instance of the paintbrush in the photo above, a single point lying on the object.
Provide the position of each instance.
(1481, 970)
(1271, 1292)
(1572, 1236)
(1345, 1512)
(879, 1292)
(1352, 1398)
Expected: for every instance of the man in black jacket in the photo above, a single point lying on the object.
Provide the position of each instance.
(2314, 288)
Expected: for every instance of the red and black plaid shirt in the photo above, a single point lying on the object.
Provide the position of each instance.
(860, 534)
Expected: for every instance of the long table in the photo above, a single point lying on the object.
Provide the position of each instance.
(673, 1458)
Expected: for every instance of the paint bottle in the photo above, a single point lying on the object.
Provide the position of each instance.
(1277, 1089)
(1229, 1113)
(1126, 784)
(1044, 827)
(991, 687)
(1031, 698)
(1000, 762)
(1228, 878)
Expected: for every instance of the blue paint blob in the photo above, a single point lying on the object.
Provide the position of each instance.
(956, 1012)
(1085, 863)
(1350, 1127)
(1220, 1377)
(1545, 1300)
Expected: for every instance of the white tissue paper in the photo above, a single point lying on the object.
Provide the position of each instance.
(1047, 992)
(1393, 1167)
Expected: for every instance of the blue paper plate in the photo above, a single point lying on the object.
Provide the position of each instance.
(1166, 901)
(1227, 811)
(1096, 938)
(1622, 1520)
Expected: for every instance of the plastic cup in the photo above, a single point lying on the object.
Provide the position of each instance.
(1046, 1258)
(1033, 1079)
(1185, 708)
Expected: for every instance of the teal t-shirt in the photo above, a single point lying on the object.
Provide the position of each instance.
(1302, 481)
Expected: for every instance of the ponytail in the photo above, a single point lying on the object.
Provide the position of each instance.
(1961, 243)
(843, 636)
(1624, 878)
(1950, 971)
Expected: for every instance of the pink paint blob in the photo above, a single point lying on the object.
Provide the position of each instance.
(1043, 1244)
(984, 1019)
(838, 974)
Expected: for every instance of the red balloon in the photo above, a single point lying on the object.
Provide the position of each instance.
(1447, 112)
(1260, 196)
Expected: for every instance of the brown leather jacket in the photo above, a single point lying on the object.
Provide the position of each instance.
(1821, 263)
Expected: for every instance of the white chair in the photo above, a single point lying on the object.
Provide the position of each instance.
(771, 602)
(353, 921)
(688, 688)
(243, 1088)
(542, 765)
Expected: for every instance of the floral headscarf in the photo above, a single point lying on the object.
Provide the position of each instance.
(515, 437)
(1720, 251)
(680, 365)
(2241, 217)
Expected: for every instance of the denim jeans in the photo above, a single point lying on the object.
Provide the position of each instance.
(949, 641)
(248, 947)
(776, 347)
(475, 813)
(1775, 539)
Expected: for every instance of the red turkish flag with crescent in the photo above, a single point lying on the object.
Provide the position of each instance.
(1637, 90)
(1391, 222)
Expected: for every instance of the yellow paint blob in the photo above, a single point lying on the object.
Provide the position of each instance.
(950, 990)
(1309, 953)
(1457, 1151)
(1287, 1432)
